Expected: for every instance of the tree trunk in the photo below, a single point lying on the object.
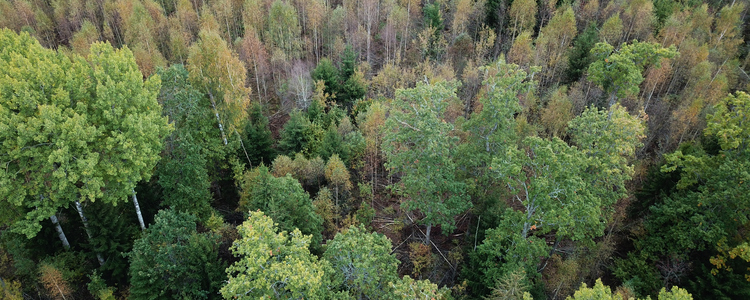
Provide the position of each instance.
(88, 231)
(427, 234)
(60, 232)
(218, 120)
(138, 211)
(337, 195)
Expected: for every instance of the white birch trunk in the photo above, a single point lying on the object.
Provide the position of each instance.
(138, 211)
(60, 232)
(88, 231)
(218, 120)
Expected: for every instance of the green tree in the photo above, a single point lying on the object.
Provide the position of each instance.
(701, 207)
(326, 72)
(333, 144)
(410, 289)
(546, 180)
(71, 130)
(714, 189)
(351, 82)
(257, 141)
(183, 171)
(603, 292)
(190, 114)
(491, 130)
(619, 72)
(183, 178)
(362, 263)
(294, 138)
(420, 146)
(112, 232)
(610, 139)
(354, 88)
(173, 261)
(283, 199)
(599, 291)
(580, 57)
(273, 265)
(560, 189)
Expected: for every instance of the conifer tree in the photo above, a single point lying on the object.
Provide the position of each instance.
(420, 146)
(173, 261)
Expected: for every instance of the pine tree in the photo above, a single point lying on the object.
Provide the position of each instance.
(173, 261)
(258, 140)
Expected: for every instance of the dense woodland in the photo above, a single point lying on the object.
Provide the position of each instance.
(374, 149)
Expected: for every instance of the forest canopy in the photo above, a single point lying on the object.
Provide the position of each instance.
(374, 149)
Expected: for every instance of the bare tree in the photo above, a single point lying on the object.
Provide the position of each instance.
(300, 84)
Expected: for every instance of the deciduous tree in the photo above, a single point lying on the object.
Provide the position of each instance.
(362, 263)
(273, 265)
(619, 72)
(217, 72)
(79, 130)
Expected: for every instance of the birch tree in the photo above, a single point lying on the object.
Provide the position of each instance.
(77, 131)
(217, 72)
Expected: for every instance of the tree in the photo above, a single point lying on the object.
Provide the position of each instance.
(284, 200)
(294, 137)
(638, 16)
(79, 130)
(523, 16)
(420, 146)
(183, 178)
(619, 72)
(603, 292)
(283, 29)
(513, 285)
(54, 282)
(333, 144)
(699, 207)
(558, 112)
(546, 180)
(580, 55)
(362, 263)
(611, 31)
(410, 289)
(560, 189)
(492, 129)
(553, 44)
(173, 261)
(370, 124)
(258, 139)
(217, 72)
(191, 148)
(610, 139)
(714, 183)
(83, 39)
(337, 174)
(273, 265)
(326, 72)
(351, 82)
